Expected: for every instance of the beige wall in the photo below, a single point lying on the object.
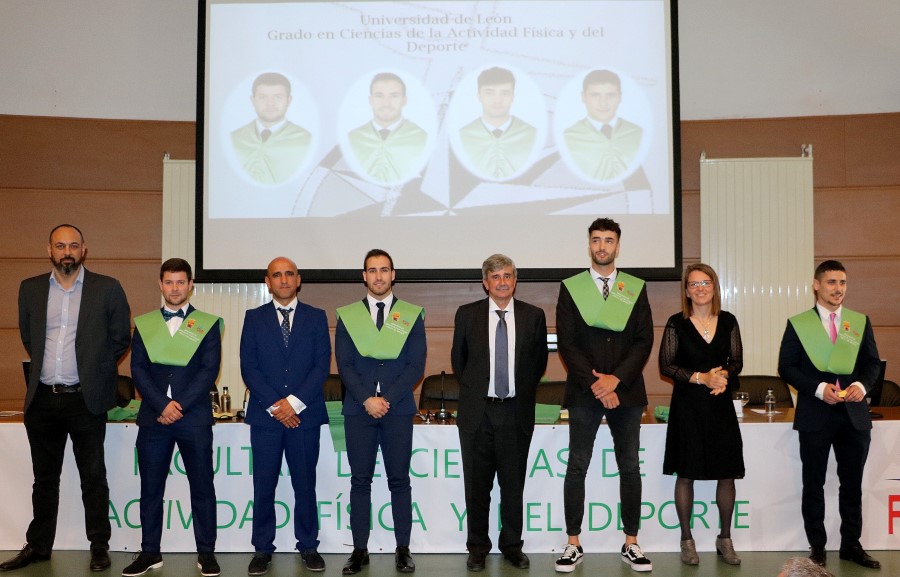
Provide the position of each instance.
(106, 177)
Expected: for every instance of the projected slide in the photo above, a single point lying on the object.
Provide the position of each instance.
(439, 131)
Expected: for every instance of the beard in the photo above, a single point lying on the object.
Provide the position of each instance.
(67, 265)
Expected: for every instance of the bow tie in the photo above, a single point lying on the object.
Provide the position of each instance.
(167, 315)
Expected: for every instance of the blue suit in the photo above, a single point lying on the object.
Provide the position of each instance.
(156, 442)
(393, 432)
(272, 372)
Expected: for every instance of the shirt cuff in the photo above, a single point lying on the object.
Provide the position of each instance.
(820, 391)
(296, 403)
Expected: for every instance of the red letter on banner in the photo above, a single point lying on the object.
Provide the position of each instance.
(893, 511)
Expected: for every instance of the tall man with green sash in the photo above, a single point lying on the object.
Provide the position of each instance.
(175, 357)
(605, 333)
(828, 354)
(379, 346)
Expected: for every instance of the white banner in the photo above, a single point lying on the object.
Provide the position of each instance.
(767, 512)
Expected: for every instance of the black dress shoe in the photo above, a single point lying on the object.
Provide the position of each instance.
(517, 559)
(817, 555)
(23, 558)
(404, 560)
(99, 560)
(357, 559)
(259, 565)
(475, 562)
(313, 560)
(859, 556)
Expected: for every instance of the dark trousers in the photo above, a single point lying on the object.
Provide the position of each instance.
(155, 446)
(393, 433)
(50, 420)
(625, 427)
(851, 448)
(300, 448)
(497, 448)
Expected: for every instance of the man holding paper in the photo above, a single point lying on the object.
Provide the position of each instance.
(285, 358)
(828, 354)
(499, 355)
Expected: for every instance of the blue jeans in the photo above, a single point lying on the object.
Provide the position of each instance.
(625, 427)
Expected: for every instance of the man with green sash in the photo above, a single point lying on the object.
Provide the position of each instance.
(389, 148)
(379, 346)
(828, 354)
(175, 357)
(271, 148)
(497, 144)
(605, 333)
(603, 145)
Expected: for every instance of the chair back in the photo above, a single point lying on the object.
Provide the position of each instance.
(551, 393)
(758, 385)
(334, 388)
(124, 390)
(890, 394)
(430, 394)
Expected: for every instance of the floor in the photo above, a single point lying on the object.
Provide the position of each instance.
(768, 564)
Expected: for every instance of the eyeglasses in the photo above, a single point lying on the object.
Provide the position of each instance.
(699, 283)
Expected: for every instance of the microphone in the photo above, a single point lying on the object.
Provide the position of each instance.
(442, 414)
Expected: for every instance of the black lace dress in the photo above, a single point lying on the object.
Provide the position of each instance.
(703, 440)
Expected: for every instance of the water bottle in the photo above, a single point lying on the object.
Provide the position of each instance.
(770, 402)
(226, 401)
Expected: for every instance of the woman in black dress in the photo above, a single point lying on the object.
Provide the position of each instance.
(701, 352)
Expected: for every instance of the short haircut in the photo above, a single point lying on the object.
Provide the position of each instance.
(496, 75)
(176, 265)
(687, 306)
(601, 77)
(72, 226)
(377, 252)
(386, 77)
(496, 262)
(605, 224)
(272, 79)
(803, 567)
(828, 266)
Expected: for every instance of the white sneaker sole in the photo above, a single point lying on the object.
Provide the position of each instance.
(150, 568)
(637, 567)
(569, 568)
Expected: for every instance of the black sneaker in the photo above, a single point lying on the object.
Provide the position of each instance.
(313, 560)
(633, 555)
(141, 563)
(207, 564)
(571, 556)
(259, 565)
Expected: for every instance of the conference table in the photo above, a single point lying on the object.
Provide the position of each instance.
(767, 512)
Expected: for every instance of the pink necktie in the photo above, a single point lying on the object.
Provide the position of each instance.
(832, 333)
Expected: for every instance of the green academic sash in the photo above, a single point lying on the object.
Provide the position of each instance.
(838, 358)
(176, 350)
(611, 314)
(387, 343)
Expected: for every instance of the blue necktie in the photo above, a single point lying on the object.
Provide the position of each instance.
(168, 315)
(285, 325)
(501, 358)
(379, 318)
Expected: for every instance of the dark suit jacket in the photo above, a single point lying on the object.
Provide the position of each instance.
(585, 348)
(272, 372)
(398, 377)
(102, 336)
(190, 384)
(797, 369)
(471, 359)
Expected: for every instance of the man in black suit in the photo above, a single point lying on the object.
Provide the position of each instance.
(75, 326)
(828, 354)
(496, 405)
(175, 358)
(285, 357)
(605, 333)
(379, 347)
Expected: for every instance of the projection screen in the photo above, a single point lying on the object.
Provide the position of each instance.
(439, 131)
